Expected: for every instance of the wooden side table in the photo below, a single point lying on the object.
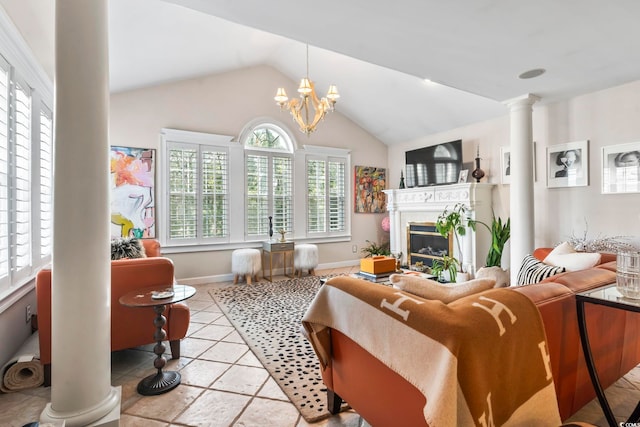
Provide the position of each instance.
(269, 248)
(158, 297)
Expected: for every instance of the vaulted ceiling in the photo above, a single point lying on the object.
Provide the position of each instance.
(378, 53)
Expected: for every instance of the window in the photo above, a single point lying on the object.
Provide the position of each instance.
(215, 193)
(46, 182)
(326, 200)
(197, 187)
(269, 185)
(26, 174)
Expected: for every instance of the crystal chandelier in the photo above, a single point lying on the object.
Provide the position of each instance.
(301, 108)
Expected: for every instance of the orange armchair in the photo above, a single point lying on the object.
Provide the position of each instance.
(130, 327)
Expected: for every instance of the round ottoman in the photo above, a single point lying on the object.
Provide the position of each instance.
(245, 263)
(305, 257)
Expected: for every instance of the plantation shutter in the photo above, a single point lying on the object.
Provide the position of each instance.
(282, 194)
(215, 193)
(4, 174)
(22, 169)
(183, 185)
(316, 196)
(257, 171)
(46, 182)
(337, 196)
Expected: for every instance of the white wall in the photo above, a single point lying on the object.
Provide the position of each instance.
(224, 104)
(604, 118)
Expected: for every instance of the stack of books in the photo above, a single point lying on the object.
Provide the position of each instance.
(373, 277)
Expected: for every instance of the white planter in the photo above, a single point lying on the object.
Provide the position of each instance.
(462, 277)
(501, 276)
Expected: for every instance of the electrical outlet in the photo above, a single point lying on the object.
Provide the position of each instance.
(354, 249)
(28, 310)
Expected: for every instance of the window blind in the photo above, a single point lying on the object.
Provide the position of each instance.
(183, 183)
(46, 182)
(316, 196)
(282, 194)
(337, 196)
(215, 193)
(257, 171)
(22, 169)
(4, 173)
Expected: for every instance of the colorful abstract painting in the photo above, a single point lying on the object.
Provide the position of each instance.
(132, 192)
(368, 186)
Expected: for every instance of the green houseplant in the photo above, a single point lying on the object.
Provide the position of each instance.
(500, 233)
(453, 221)
(447, 263)
(373, 249)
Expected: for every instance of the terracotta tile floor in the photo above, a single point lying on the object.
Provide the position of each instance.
(224, 384)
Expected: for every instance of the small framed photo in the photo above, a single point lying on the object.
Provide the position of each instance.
(505, 165)
(568, 165)
(621, 168)
(464, 173)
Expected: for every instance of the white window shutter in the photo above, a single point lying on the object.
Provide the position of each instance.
(46, 182)
(22, 178)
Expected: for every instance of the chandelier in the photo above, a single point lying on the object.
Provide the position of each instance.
(301, 109)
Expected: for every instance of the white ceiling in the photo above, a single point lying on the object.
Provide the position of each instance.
(476, 46)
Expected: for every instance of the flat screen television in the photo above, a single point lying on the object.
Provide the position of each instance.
(435, 165)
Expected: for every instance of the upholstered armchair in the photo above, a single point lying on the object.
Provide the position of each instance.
(130, 327)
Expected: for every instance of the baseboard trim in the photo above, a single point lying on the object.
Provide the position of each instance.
(203, 280)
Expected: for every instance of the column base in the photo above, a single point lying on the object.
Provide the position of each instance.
(105, 414)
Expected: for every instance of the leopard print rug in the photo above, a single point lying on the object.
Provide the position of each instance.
(268, 317)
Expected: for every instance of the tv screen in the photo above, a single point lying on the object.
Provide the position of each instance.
(435, 165)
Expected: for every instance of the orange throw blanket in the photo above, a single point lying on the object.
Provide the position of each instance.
(481, 360)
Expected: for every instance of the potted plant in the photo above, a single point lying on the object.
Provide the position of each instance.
(446, 264)
(453, 221)
(500, 233)
(373, 249)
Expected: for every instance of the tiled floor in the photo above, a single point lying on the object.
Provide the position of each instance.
(224, 384)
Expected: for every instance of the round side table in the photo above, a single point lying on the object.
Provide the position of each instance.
(158, 297)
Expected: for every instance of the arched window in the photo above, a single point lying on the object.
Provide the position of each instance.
(269, 179)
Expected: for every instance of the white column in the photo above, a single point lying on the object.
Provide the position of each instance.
(81, 391)
(521, 193)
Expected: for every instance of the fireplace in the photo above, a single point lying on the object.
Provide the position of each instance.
(420, 205)
(425, 244)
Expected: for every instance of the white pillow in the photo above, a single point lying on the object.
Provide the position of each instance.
(565, 256)
(445, 292)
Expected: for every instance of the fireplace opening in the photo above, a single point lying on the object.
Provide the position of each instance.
(425, 244)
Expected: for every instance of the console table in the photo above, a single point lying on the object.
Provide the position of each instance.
(605, 295)
(271, 247)
(158, 297)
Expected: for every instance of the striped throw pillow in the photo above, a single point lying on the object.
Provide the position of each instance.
(534, 271)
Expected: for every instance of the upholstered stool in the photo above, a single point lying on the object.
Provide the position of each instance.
(245, 263)
(305, 257)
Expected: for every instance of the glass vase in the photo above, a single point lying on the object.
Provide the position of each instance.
(628, 274)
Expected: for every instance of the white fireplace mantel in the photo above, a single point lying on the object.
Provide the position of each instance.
(424, 204)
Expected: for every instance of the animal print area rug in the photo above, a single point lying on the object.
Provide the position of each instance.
(268, 316)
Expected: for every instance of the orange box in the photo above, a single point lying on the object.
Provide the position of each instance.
(378, 264)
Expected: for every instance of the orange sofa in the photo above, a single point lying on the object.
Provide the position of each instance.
(384, 398)
(130, 327)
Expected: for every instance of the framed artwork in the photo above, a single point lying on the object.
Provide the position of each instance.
(568, 165)
(464, 173)
(132, 192)
(368, 185)
(505, 165)
(621, 168)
